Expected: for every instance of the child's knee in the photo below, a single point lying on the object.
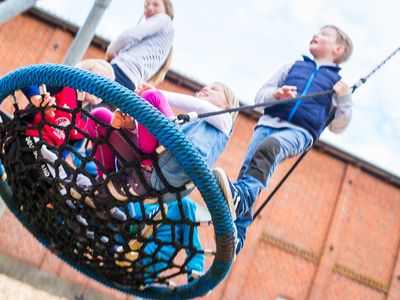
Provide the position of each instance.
(264, 159)
(154, 97)
(102, 113)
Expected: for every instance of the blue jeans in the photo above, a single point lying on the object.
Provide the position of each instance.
(268, 146)
(122, 79)
(209, 142)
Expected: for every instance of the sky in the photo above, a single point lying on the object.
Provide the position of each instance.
(244, 42)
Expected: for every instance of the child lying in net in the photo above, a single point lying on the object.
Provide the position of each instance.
(209, 136)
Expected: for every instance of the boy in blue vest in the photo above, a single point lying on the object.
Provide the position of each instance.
(289, 129)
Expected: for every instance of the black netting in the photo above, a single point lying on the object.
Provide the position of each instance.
(116, 224)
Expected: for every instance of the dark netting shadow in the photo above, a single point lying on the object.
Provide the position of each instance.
(116, 230)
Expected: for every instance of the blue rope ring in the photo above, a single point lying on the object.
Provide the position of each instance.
(170, 136)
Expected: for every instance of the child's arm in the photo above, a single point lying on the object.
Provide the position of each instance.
(266, 93)
(137, 33)
(343, 103)
(35, 99)
(187, 103)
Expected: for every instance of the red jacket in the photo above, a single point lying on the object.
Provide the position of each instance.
(55, 136)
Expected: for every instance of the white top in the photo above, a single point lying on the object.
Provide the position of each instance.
(141, 50)
(187, 103)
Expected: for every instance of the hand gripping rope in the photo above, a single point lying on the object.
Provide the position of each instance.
(183, 118)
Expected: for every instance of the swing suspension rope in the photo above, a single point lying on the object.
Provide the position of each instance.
(193, 116)
(183, 118)
(359, 83)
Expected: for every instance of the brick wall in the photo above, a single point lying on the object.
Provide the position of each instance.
(331, 232)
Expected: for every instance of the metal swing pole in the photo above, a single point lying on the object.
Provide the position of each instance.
(86, 32)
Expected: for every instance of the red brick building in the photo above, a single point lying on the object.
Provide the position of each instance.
(331, 232)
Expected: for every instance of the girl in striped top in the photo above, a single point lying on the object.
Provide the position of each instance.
(143, 52)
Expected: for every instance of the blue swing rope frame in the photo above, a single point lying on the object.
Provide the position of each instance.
(170, 136)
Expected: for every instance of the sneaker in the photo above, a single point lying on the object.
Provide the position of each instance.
(118, 213)
(70, 203)
(229, 191)
(90, 234)
(82, 183)
(104, 239)
(235, 234)
(135, 184)
(116, 187)
(81, 220)
(106, 193)
(118, 248)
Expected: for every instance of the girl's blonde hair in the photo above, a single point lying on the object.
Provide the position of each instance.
(100, 67)
(162, 72)
(231, 98)
(159, 76)
(169, 8)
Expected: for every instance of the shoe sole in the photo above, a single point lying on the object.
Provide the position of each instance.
(226, 189)
(115, 193)
(119, 195)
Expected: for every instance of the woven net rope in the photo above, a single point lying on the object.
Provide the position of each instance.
(46, 193)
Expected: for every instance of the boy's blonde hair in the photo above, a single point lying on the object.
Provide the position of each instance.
(342, 39)
(98, 66)
(230, 97)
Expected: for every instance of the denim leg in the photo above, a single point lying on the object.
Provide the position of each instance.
(172, 170)
(275, 147)
(122, 78)
(209, 143)
(281, 144)
(260, 133)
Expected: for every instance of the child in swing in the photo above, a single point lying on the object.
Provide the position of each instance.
(209, 136)
(144, 52)
(289, 129)
(57, 103)
(64, 97)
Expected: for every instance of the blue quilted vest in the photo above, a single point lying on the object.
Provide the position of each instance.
(311, 113)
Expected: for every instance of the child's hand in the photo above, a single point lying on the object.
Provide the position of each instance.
(109, 57)
(120, 120)
(341, 89)
(47, 102)
(144, 86)
(284, 92)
